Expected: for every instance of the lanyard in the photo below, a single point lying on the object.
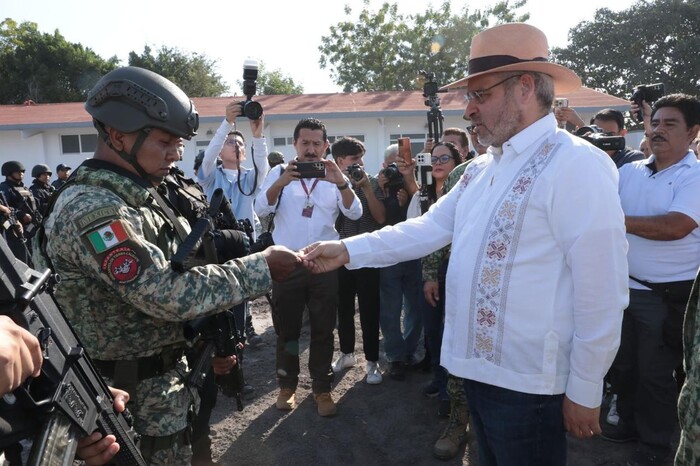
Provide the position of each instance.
(306, 190)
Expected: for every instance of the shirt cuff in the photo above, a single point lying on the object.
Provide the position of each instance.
(584, 392)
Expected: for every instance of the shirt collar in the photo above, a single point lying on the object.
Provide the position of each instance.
(528, 136)
(689, 160)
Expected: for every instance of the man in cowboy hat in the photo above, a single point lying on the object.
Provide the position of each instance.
(537, 279)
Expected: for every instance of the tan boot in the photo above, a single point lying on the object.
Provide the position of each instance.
(455, 434)
(286, 401)
(326, 405)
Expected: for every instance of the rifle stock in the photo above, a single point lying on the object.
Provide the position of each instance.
(69, 397)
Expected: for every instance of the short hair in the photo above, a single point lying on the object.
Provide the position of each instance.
(544, 87)
(463, 137)
(312, 124)
(688, 105)
(609, 114)
(392, 149)
(347, 146)
(236, 133)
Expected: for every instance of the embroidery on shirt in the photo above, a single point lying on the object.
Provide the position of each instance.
(497, 252)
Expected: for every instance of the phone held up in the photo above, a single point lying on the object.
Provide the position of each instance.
(405, 150)
(311, 169)
(561, 102)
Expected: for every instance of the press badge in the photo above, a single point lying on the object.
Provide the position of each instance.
(308, 210)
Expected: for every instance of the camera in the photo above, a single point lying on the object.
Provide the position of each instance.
(430, 90)
(251, 110)
(561, 102)
(311, 169)
(356, 172)
(601, 140)
(649, 93)
(394, 178)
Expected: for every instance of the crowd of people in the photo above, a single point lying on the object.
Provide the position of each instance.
(545, 275)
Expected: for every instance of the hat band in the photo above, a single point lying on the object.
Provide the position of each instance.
(481, 64)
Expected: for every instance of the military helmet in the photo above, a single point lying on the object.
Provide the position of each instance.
(39, 169)
(8, 168)
(130, 99)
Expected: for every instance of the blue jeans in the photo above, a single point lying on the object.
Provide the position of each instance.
(514, 428)
(396, 282)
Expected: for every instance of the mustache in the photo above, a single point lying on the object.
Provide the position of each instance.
(658, 138)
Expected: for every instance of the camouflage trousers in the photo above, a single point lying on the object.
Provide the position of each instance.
(455, 390)
(688, 453)
(177, 454)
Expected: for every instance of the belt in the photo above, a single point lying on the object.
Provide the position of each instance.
(150, 445)
(146, 368)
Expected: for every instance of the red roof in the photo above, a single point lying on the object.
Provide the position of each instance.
(18, 116)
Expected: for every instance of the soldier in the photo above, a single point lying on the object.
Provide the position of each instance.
(110, 234)
(62, 172)
(21, 201)
(40, 188)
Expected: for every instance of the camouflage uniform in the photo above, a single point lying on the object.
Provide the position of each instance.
(455, 387)
(688, 453)
(111, 243)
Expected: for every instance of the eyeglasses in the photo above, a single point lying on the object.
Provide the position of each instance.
(480, 94)
(443, 159)
(231, 142)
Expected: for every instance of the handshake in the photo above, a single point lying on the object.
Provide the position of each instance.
(319, 257)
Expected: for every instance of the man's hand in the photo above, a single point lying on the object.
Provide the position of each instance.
(431, 292)
(281, 260)
(20, 355)
(223, 365)
(333, 173)
(579, 421)
(325, 256)
(94, 449)
(233, 110)
(568, 115)
(402, 197)
(256, 126)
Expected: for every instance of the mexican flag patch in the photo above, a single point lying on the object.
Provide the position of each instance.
(107, 236)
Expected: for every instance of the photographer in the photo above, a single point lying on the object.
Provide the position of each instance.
(363, 283)
(399, 283)
(306, 210)
(240, 184)
(611, 123)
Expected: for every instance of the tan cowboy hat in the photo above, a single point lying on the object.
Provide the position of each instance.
(514, 47)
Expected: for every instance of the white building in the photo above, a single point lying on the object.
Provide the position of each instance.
(63, 133)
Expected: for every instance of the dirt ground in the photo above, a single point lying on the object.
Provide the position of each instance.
(390, 423)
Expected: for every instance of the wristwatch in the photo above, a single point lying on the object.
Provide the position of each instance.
(343, 187)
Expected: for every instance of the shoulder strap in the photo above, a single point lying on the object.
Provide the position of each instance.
(279, 198)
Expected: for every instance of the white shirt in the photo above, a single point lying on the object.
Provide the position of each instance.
(674, 189)
(294, 230)
(537, 279)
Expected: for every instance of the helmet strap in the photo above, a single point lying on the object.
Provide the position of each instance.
(130, 157)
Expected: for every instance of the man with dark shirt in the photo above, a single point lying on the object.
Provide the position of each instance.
(612, 123)
(62, 172)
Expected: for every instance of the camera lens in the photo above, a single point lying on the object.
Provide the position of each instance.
(252, 110)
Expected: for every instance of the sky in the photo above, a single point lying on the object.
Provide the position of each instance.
(284, 34)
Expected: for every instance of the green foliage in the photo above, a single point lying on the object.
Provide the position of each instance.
(652, 41)
(274, 83)
(45, 67)
(193, 73)
(385, 50)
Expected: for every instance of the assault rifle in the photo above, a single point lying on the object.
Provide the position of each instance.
(219, 332)
(69, 400)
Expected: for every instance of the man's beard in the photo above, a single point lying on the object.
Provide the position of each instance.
(506, 124)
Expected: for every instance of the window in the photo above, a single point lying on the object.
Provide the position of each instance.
(78, 143)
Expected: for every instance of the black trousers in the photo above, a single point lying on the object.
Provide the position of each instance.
(363, 283)
(642, 373)
(318, 292)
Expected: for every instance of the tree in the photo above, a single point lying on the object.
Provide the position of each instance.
(387, 50)
(274, 82)
(45, 67)
(193, 73)
(652, 41)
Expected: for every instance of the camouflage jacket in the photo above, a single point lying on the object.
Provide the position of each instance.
(689, 401)
(110, 242)
(432, 262)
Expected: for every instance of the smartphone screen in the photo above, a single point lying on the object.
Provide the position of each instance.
(405, 150)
